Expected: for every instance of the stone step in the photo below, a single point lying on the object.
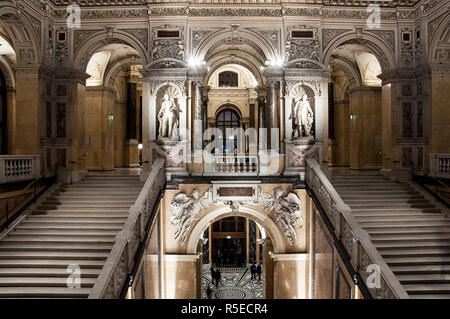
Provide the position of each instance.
(62, 255)
(377, 192)
(98, 192)
(397, 210)
(386, 201)
(83, 233)
(364, 197)
(424, 279)
(430, 296)
(43, 292)
(42, 282)
(85, 207)
(381, 246)
(414, 251)
(410, 230)
(92, 210)
(72, 223)
(93, 200)
(412, 217)
(421, 269)
(51, 263)
(73, 197)
(408, 224)
(46, 272)
(55, 246)
(103, 186)
(404, 212)
(81, 214)
(417, 260)
(89, 203)
(370, 205)
(377, 238)
(70, 218)
(19, 238)
(427, 288)
(64, 228)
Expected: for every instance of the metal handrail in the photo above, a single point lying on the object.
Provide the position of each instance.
(25, 191)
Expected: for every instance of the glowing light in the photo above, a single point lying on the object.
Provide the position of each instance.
(140, 146)
(193, 63)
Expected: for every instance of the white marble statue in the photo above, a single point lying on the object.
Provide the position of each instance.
(288, 211)
(168, 118)
(303, 117)
(184, 210)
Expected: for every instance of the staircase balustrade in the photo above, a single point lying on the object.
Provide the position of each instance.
(16, 168)
(226, 164)
(440, 165)
(120, 261)
(356, 241)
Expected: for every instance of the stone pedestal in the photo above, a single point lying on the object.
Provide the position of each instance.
(175, 154)
(131, 156)
(297, 151)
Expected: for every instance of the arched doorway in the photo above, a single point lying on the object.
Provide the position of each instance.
(227, 121)
(272, 242)
(3, 115)
(232, 259)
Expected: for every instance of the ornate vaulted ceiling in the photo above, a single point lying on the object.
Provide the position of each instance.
(91, 3)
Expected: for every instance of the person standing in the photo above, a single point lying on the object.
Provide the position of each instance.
(218, 277)
(253, 270)
(209, 292)
(259, 271)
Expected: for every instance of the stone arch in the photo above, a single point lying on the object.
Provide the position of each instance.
(255, 39)
(265, 221)
(158, 86)
(93, 43)
(440, 43)
(113, 70)
(373, 44)
(237, 60)
(21, 31)
(353, 75)
(8, 73)
(314, 89)
(235, 106)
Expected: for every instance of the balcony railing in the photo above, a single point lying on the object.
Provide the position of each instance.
(440, 165)
(17, 168)
(120, 261)
(230, 164)
(356, 241)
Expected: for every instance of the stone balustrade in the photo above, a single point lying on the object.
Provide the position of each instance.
(120, 261)
(16, 168)
(440, 165)
(226, 164)
(364, 257)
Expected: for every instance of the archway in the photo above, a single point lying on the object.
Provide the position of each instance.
(271, 238)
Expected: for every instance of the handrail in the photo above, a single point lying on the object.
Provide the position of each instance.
(17, 207)
(355, 240)
(82, 157)
(121, 259)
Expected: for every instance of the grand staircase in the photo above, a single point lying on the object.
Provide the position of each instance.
(75, 225)
(411, 234)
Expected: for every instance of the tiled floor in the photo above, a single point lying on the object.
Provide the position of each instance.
(236, 283)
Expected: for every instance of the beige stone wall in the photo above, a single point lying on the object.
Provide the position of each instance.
(439, 119)
(291, 278)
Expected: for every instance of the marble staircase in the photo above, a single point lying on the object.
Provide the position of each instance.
(75, 225)
(411, 233)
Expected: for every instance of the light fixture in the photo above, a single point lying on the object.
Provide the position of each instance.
(228, 237)
(140, 146)
(110, 117)
(352, 116)
(193, 63)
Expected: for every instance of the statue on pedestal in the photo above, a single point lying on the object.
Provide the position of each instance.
(303, 117)
(168, 118)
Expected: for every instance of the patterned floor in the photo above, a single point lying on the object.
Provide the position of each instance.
(236, 283)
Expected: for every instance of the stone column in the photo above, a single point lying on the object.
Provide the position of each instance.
(268, 269)
(273, 122)
(26, 124)
(131, 158)
(198, 120)
(11, 118)
(262, 133)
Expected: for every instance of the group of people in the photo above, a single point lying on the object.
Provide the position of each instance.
(256, 270)
(215, 279)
